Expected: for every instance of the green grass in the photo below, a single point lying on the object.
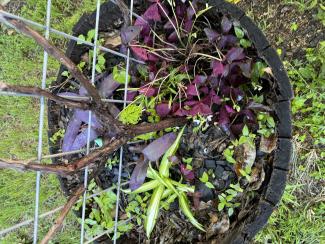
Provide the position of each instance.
(300, 215)
(21, 63)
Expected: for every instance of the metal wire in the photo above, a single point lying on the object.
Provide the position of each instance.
(93, 73)
(121, 150)
(41, 124)
(77, 98)
(53, 211)
(71, 37)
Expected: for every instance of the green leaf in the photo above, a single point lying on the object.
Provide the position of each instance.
(239, 33)
(221, 206)
(245, 131)
(270, 121)
(165, 163)
(81, 37)
(145, 187)
(131, 114)
(65, 73)
(119, 75)
(242, 140)
(101, 60)
(245, 43)
(209, 185)
(230, 211)
(205, 177)
(153, 209)
(187, 160)
(184, 206)
(91, 35)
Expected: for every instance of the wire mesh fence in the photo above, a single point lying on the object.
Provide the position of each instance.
(40, 151)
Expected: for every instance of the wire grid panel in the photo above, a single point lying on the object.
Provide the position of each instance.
(41, 120)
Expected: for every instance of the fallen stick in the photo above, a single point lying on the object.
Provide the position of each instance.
(59, 221)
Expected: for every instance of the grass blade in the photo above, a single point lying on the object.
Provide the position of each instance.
(153, 209)
(165, 162)
(184, 206)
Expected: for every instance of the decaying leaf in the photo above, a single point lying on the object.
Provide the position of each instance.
(245, 155)
(113, 41)
(220, 227)
(268, 144)
(257, 178)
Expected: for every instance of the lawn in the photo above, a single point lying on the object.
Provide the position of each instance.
(296, 30)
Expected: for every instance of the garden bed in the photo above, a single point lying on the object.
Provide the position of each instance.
(200, 151)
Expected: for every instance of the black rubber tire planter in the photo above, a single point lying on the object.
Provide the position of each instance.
(253, 219)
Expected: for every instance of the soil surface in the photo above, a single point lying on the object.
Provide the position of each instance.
(275, 20)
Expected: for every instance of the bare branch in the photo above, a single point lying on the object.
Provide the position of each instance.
(59, 55)
(59, 221)
(40, 92)
(91, 158)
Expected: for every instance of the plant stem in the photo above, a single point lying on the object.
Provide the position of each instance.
(40, 92)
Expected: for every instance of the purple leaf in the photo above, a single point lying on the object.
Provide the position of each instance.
(163, 109)
(129, 33)
(229, 109)
(138, 175)
(71, 133)
(63, 94)
(199, 79)
(212, 98)
(246, 68)
(108, 86)
(237, 94)
(83, 91)
(123, 49)
(141, 22)
(226, 41)
(200, 108)
(148, 40)
(152, 13)
(148, 91)
(191, 103)
(211, 35)
(169, 24)
(181, 112)
(163, 10)
(235, 53)
(81, 139)
(131, 95)
(152, 57)
(217, 68)
(188, 25)
(140, 53)
(158, 147)
(181, 10)
(188, 174)
(191, 10)
(172, 37)
(224, 114)
(226, 24)
(83, 116)
(204, 90)
(192, 90)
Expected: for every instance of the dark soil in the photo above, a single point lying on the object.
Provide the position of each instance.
(275, 19)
